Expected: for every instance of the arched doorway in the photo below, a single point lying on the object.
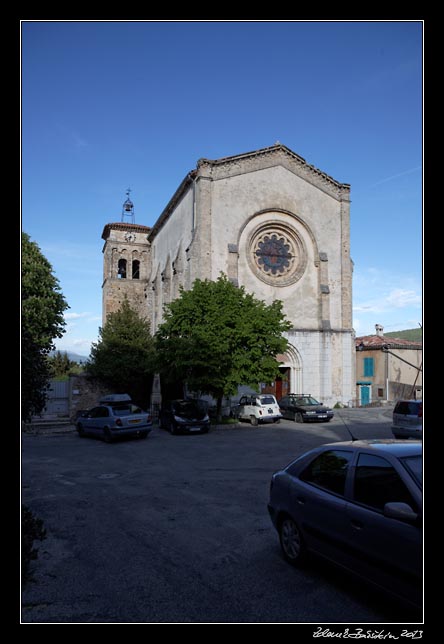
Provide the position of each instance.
(290, 380)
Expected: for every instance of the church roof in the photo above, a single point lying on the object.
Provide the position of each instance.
(270, 151)
(277, 154)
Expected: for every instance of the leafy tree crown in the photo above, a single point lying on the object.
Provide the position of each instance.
(217, 336)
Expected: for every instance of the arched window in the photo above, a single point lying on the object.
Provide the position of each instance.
(121, 269)
(136, 269)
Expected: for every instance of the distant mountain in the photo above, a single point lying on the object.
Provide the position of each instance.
(414, 335)
(74, 357)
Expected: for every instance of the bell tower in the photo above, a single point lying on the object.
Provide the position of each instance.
(126, 263)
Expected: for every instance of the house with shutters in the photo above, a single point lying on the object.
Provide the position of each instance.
(387, 368)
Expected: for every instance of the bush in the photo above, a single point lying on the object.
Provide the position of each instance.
(32, 528)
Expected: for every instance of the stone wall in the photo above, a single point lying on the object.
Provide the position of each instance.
(84, 394)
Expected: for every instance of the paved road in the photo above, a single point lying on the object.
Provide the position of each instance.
(175, 529)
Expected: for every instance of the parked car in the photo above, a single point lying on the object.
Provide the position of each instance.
(115, 417)
(258, 408)
(358, 504)
(304, 408)
(180, 416)
(407, 419)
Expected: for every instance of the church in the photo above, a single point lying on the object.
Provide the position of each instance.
(272, 223)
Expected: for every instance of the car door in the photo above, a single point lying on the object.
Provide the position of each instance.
(283, 406)
(319, 503)
(388, 551)
(243, 403)
(97, 419)
(88, 421)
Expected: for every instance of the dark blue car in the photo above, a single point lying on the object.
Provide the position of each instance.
(359, 505)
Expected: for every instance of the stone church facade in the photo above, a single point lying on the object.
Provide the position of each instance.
(273, 224)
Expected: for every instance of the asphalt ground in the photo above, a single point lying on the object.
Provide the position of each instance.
(175, 529)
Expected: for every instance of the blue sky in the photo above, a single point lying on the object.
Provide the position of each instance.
(111, 105)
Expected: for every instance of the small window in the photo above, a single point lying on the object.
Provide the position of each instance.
(380, 392)
(377, 483)
(121, 269)
(368, 367)
(414, 466)
(401, 408)
(267, 400)
(99, 412)
(329, 471)
(136, 269)
(121, 410)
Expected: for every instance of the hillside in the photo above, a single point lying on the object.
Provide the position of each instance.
(414, 335)
(74, 357)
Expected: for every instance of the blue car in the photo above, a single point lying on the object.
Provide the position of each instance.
(115, 417)
(357, 504)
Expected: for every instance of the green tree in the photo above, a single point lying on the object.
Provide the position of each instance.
(123, 357)
(42, 321)
(217, 336)
(60, 365)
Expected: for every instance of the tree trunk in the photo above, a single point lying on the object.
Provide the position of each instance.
(219, 409)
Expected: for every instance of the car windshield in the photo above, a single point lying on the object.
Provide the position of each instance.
(414, 465)
(306, 400)
(188, 409)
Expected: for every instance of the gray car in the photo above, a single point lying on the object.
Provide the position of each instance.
(116, 416)
(407, 419)
(358, 504)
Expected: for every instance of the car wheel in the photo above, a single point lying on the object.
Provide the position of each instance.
(298, 417)
(292, 543)
(80, 430)
(107, 437)
(277, 420)
(397, 436)
(143, 435)
(254, 421)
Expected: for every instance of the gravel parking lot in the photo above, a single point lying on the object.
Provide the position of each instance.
(175, 529)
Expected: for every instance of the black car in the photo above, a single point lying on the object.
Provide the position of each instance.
(304, 408)
(180, 416)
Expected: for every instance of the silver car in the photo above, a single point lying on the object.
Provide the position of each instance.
(359, 505)
(115, 417)
(407, 419)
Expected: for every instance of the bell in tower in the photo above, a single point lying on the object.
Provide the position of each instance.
(128, 209)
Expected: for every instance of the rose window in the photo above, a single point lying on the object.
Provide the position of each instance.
(277, 254)
(273, 254)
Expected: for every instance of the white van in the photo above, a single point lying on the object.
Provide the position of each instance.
(258, 408)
